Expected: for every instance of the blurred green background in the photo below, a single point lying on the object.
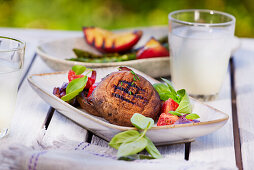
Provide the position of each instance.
(114, 14)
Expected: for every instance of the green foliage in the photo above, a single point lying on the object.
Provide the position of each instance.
(110, 14)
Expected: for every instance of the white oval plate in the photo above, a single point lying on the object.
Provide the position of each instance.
(211, 119)
(55, 53)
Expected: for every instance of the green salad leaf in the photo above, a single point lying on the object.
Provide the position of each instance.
(78, 69)
(76, 84)
(142, 122)
(167, 91)
(175, 113)
(170, 86)
(192, 116)
(74, 88)
(151, 149)
(184, 105)
(131, 142)
(132, 148)
(135, 157)
(70, 96)
(162, 90)
(180, 94)
(124, 137)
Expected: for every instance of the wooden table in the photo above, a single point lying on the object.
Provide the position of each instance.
(233, 143)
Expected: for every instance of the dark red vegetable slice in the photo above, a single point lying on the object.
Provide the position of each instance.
(91, 80)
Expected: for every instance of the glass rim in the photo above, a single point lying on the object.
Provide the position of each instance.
(23, 44)
(170, 17)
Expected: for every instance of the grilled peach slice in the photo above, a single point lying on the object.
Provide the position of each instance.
(109, 42)
(152, 49)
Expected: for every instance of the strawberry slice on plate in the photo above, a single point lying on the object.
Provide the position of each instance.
(110, 42)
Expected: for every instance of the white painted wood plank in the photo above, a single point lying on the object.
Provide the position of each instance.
(61, 126)
(99, 141)
(244, 77)
(38, 35)
(220, 144)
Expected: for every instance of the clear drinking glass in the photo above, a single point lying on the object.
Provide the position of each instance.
(200, 46)
(11, 64)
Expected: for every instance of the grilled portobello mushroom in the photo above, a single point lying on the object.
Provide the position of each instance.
(121, 94)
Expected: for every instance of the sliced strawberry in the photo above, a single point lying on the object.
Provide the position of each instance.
(152, 49)
(167, 119)
(169, 105)
(72, 75)
(110, 42)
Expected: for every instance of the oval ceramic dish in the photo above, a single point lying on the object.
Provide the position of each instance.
(211, 119)
(55, 53)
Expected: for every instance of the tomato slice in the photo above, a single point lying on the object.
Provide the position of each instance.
(167, 119)
(91, 80)
(91, 89)
(169, 105)
(72, 75)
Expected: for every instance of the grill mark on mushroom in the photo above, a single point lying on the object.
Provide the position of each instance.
(127, 90)
(122, 98)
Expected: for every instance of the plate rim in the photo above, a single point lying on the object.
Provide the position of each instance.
(122, 128)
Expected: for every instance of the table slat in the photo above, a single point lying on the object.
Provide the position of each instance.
(220, 144)
(244, 82)
(62, 127)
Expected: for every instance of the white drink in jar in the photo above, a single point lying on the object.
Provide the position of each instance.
(9, 81)
(200, 57)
